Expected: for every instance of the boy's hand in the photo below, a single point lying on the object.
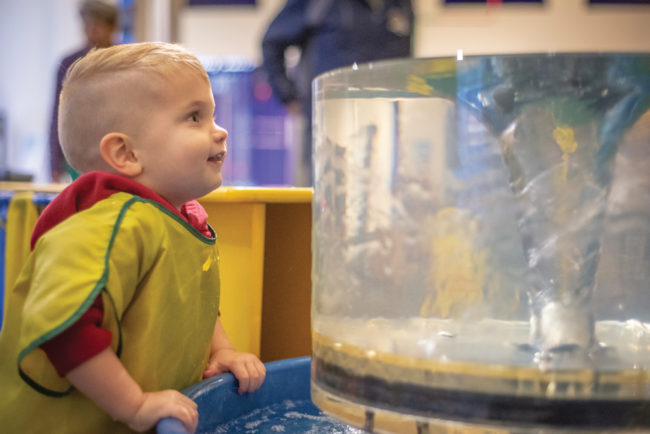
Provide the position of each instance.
(106, 382)
(166, 403)
(246, 367)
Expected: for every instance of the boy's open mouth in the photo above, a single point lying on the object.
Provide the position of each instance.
(217, 157)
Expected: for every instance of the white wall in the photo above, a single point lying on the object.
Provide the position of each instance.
(558, 25)
(227, 30)
(34, 34)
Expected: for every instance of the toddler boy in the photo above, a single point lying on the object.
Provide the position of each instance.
(116, 307)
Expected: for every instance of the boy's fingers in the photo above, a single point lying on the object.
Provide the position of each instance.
(243, 384)
(250, 374)
(260, 372)
(188, 413)
(241, 375)
(255, 373)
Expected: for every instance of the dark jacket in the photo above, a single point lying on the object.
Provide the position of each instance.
(332, 34)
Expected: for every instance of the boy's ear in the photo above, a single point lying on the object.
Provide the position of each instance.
(117, 151)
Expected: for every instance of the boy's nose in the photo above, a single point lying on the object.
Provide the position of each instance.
(219, 133)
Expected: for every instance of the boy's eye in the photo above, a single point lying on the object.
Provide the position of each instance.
(194, 117)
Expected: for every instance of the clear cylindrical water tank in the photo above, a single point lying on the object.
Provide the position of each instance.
(481, 244)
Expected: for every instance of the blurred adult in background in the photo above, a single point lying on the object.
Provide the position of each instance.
(330, 34)
(100, 22)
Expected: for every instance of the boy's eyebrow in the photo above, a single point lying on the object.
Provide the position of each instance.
(197, 104)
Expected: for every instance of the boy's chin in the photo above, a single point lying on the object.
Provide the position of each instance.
(215, 185)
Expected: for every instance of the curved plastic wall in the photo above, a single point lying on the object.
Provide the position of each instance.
(481, 242)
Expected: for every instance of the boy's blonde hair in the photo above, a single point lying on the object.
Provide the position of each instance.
(111, 90)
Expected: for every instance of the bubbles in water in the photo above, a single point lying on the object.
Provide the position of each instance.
(289, 416)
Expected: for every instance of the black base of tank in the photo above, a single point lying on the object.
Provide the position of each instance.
(473, 407)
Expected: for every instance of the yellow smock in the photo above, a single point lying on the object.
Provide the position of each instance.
(159, 280)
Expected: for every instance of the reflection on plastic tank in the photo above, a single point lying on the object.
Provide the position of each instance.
(481, 244)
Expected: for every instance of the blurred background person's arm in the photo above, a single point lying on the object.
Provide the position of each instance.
(289, 28)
